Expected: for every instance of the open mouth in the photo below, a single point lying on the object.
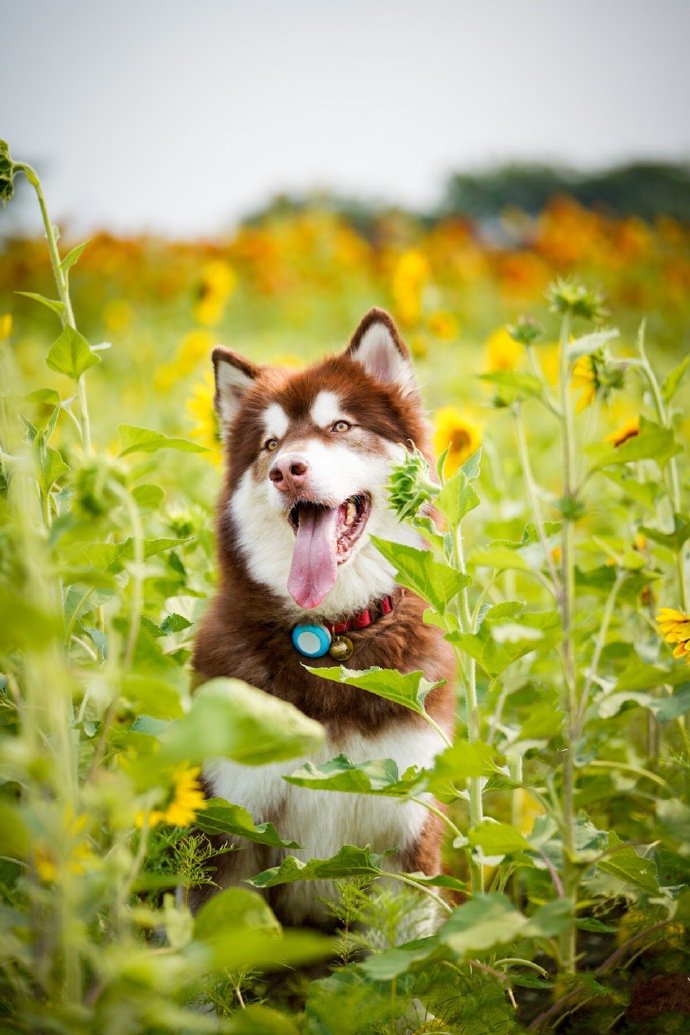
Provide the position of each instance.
(324, 538)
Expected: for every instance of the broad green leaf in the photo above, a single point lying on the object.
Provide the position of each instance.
(350, 861)
(230, 719)
(589, 343)
(638, 676)
(464, 760)
(148, 497)
(626, 479)
(70, 354)
(481, 923)
(409, 689)
(72, 257)
(234, 910)
(376, 777)
(497, 838)
(520, 384)
(630, 867)
(672, 382)
(50, 303)
(25, 624)
(652, 443)
(668, 708)
(174, 623)
(499, 641)
(499, 556)
(221, 817)
(143, 440)
(457, 498)
(51, 468)
(549, 920)
(114, 556)
(472, 466)
(155, 696)
(390, 964)
(249, 949)
(256, 1019)
(417, 570)
(673, 540)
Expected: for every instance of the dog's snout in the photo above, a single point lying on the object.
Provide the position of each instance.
(289, 472)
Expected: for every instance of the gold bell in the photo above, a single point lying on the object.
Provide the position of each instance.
(341, 648)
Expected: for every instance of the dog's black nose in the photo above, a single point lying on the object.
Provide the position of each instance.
(290, 472)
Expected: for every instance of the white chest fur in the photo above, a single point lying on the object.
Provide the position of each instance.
(322, 821)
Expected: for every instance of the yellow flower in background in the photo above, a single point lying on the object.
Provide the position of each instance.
(187, 799)
(584, 376)
(444, 325)
(410, 274)
(117, 314)
(218, 282)
(674, 626)
(194, 348)
(288, 360)
(503, 352)
(629, 430)
(201, 410)
(5, 326)
(463, 434)
(549, 358)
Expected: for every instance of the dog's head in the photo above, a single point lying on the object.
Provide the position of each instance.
(309, 456)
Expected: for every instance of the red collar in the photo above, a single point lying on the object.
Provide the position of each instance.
(364, 618)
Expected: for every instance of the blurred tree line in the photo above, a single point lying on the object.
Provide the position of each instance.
(645, 189)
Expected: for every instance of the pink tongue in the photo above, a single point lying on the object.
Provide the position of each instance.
(314, 562)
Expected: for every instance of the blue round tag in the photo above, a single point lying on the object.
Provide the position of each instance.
(312, 641)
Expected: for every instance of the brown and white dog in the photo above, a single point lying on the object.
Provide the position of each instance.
(308, 459)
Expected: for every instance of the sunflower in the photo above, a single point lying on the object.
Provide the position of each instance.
(674, 626)
(5, 326)
(218, 281)
(187, 799)
(452, 428)
(200, 408)
(410, 275)
(629, 430)
(502, 352)
(443, 325)
(584, 376)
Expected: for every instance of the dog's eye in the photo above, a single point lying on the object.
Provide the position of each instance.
(270, 444)
(341, 425)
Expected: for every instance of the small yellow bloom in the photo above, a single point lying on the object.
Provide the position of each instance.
(451, 427)
(443, 325)
(503, 352)
(194, 347)
(410, 275)
(584, 376)
(200, 408)
(187, 799)
(629, 430)
(674, 626)
(218, 282)
(5, 326)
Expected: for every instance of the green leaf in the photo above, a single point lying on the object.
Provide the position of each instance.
(672, 382)
(417, 570)
(520, 384)
(668, 708)
(70, 354)
(457, 498)
(377, 777)
(114, 556)
(630, 867)
(249, 949)
(497, 838)
(155, 696)
(652, 443)
(490, 920)
(230, 719)
(50, 303)
(466, 759)
(174, 623)
(390, 964)
(350, 861)
(232, 910)
(51, 468)
(220, 817)
(143, 440)
(673, 540)
(499, 556)
(148, 497)
(589, 343)
(409, 690)
(72, 257)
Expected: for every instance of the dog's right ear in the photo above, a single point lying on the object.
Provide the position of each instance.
(234, 375)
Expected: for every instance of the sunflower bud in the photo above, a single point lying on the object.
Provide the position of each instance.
(410, 485)
(7, 171)
(570, 295)
(525, 331)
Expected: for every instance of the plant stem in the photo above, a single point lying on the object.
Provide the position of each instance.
(62, 284)
(476, 783)
(531, 486)
(404, 879)
(568, 948)
(599, 645)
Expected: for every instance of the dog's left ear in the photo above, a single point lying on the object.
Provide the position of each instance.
(378, 347)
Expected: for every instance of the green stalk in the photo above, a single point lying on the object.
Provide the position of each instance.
(671, 470)
(531, 487)
(62, 284)
(476, 783)
(567, 602)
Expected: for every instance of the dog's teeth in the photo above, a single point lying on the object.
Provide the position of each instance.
(351, 513)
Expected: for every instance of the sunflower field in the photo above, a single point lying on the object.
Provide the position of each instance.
(552, 357)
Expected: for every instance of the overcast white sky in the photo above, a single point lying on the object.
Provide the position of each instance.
(180, 115)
